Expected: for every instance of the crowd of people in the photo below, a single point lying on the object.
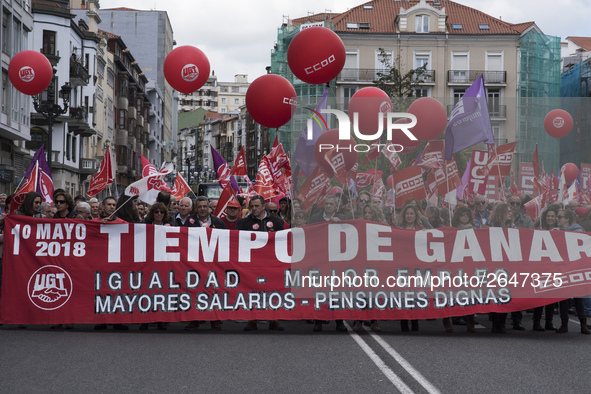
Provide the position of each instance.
(258, 215)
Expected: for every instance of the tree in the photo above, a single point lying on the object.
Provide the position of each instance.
(396, 85)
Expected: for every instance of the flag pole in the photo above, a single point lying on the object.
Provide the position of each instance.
(500, 178)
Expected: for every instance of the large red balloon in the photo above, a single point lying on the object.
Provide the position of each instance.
(431, 118)
(271, 100)
(316, 55)
(30, 72)
(331, 137)
(570, 171)
(400, 138)
(186, 69)
(369, 103)
(558, 123)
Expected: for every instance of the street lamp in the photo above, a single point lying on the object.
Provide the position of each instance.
(50, 110)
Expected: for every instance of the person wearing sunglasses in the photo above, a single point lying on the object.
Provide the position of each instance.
(65, 205)
(481, 212)
(566, 222)
(158, 215)
(363, 198)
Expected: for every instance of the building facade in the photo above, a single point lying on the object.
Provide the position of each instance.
(457, 44)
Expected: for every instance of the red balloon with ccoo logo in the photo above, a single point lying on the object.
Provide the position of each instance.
(570, 171)
(271, 100)
(30, 72)
(186, 69)
(316, 55)
(558, 123)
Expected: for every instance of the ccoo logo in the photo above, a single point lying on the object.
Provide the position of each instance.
(26, 74)
(190, 72)
(50, 287)
(558, 122)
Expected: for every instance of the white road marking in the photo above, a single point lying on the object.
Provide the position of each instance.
(404, 364)
(387, 371)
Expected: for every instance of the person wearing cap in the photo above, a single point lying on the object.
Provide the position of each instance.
(232, 215)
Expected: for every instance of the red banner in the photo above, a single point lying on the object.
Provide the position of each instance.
(526, 178)
(58, 271)
(478, 172)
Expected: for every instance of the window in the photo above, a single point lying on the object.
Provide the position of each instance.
(223, 100)
(494, 68)
(422, 92)
(5, 35)
(457, 26)
(122, 118)
(459, 67)
(48, 42)
(458, 94)
(483, 26)
(368, 7)
(38, 138)
(235, 89)
(236, 101)
(224, 89)
(422, 24)
(5, 92)
(352, 25)
(223, 110)
(17, 36)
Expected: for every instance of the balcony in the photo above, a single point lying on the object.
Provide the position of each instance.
(496, 111)
(427, 77)
(131, 138)
(123, 103)
(121, 137)
(132, 113)
(78, 122)
(358, 75)
(467, 77)
(78, 73)
(140, 121)
(88, 166)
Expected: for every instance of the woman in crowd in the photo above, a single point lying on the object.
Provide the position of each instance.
(127, 210)
(373, 213)
(462, 219)
(363, 199)
(501, 217)
(158, 214)
(421, 214)
(301, 218)
(410, 220)
(30, 205)
(566, 222)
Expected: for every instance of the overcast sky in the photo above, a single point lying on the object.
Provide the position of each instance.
(237, 35)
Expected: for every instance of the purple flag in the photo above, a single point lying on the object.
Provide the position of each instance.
(222, 170)
(465, 179)
(469, 123)
(304, 151)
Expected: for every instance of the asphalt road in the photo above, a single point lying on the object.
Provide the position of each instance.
(38, 359)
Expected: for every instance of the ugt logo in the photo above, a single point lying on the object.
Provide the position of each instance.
(50, 287)
(345, 125)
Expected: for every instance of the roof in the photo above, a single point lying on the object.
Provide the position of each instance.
(583, 42)
(119, 9)
(382, 15)
(109, 34)
(48, 3)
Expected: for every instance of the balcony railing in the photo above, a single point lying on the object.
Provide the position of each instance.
(495, 110)
(428, 76)
(467, 77)
(78, 73)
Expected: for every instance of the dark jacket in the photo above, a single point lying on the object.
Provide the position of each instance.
(268, 223)
(215, 222)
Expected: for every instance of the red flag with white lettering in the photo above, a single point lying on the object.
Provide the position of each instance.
(502, 158)
(148, 169)
(228, 194)
(409, 183)
(336, 161)
(103, 177)
(239, 167)
(264, 184)
(392, 156)
(367, 178)
(180, 188)
(314, 187)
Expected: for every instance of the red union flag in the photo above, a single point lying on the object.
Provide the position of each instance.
(148, 169)
(103, 177)
(373, 152)
(314, 187)
(392, 156)
(29, 186)
(228, 194)
(367, 178)
(264, 184)
(147, 188)
(336, 161)
(239, 167)
(432, 156)
(503, 159)
(180, 187)
(409, 183)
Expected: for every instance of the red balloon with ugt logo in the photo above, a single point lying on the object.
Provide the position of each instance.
(327, 141)
(558, 123)
(570, 171)
(30, 72)
(316, 55)
(431, 118)
(186, 69)
(370, 104)
(271, 100)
